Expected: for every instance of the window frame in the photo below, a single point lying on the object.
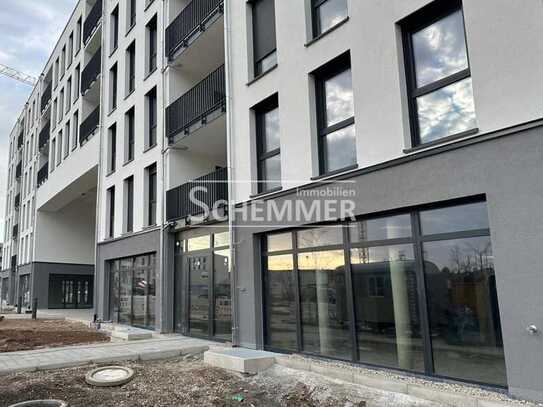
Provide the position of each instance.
(425, 17)
(315, 22)
(332, 68)
(112, 149)
(114, 28)
(264, 107)
(152, 118)
(152, 192)
(111, 212)
(129, 187)
(257, 63)
(130, 126)
(152, 38)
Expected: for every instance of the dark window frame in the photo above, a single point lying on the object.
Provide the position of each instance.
(258, 70)
(130, 124)
(114, 84)
(112, 156)
(332, 68)
(132, 14)
(129, 185)
(111, 211)
(264, 107)
(315, 22)
(152, 191)
(417, 239)
(426, 16)
(152, 30)
(152, 116)
(114, 26)
(131, 71)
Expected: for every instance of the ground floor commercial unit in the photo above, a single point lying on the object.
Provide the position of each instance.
(52, 285)
(436, 274)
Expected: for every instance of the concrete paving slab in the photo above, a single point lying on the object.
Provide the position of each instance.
(240, 360)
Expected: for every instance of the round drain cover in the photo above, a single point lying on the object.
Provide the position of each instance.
(41, 403)
(109, 376)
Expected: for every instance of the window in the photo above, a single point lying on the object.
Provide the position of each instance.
(131, 13)
(70, 49)
(52, 158)
(264, 41)
(76, 130)
(56, 73)
(152, 49)
(130, 135)
(129, 203)
(77, 76)
(111, 211)
(151, 194)
(113, 88)
(67, 139)
(78, 33)
(59, 146)
(63, 61)
(68, 94)
(335, 115)
(112, 149)
(268, 148)
(438, 73)
(114, 26)
(327, 14)
(131, 71)
(54, 115)
(61, 105)
(152, 118)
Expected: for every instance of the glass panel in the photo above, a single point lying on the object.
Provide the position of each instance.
(388, 328)
(198, 243)
(267, 63)
(151, 292)
(330, 13)
(339, 149)
(324, 236)
(392, 227)
(325, 315)
(463, 310)
(278, 242)
(338, 92)
(439, 50)
(139, 292)
(446, 111)
(271, 173)
(55, 292)
(280, 303)
(222, 322)
(125, 294)
(271, 130)
(454, 219)
(199, 267)
(114, 298)
(221, 239)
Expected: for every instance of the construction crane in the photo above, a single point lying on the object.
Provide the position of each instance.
(17, 75)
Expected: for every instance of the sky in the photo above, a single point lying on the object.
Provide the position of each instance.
(29, 29)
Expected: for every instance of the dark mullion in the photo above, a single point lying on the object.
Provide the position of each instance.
(264, 156)
(422, 299)
(297, 296)
(211, 300)
(337, 126)
(379, 243)
(350, 292)
(455, 235)
(441, 83)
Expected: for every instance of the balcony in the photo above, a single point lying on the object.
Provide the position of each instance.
(18, 170)
(178, 202)
(193, 108)
(46, 96)
(89, 126)
(15, 231)
(190, 23)
(91, 71)
(17, 201)
(45, 134)
(43, 174)
(92, 21)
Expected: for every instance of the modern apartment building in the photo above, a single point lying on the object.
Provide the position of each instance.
(375, 165)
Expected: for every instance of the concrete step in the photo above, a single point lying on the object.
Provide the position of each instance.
(240, 360)
(131, 334)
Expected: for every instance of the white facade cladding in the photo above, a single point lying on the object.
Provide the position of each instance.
(419, 119)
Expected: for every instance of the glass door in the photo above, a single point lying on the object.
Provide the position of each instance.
(199, 268)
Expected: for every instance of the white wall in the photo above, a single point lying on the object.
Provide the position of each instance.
(505, 45)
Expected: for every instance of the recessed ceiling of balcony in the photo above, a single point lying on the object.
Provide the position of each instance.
(209, 139)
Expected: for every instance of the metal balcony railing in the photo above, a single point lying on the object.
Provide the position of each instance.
(89, 125)
(44, 136)
(18, 170)
(192, 18)
(43, 174)
(206, 97)
(91, 71)
(46, 96)
(214, 187)
(92, 20)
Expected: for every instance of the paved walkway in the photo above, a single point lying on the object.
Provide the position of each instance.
(57, 358)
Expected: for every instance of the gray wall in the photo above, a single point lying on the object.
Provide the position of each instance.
(508, 170)
(142, 243)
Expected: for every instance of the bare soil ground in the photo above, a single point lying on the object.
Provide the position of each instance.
(188, 382)
(27, 334)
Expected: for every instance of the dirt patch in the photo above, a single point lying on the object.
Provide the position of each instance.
(189, 382)
(27, 334)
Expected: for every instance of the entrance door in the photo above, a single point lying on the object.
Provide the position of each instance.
(70, 291)
(200, 313)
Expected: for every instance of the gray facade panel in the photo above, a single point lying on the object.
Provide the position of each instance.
(508, 171)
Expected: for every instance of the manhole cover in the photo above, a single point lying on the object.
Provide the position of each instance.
(109, 376)
(41, 403)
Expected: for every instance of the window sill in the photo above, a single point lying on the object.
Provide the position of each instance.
(130, 28)
(335, 172)
(149, 74)
(112, 111)
(149, 148)
(113, 51)
(110, 172)
(442, 141)
(149, 4)
(256, 78)
(325, 33)
(264, 193)
(128, 162)
(129, 94)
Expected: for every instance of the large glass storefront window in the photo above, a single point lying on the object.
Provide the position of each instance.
(24, 291)
(70, 291)
(133, 291)
(417, 289)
